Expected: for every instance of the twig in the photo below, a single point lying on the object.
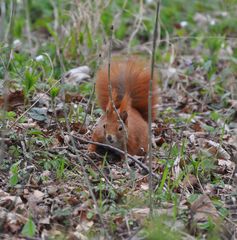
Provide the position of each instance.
(155, 34)
(8, 34)
(100, 172)
(9, 38)
(89, 101)
(57, 29)
(92, 162)
(195, 99)
(27, 11)
(2, 18)
(140, 15)
(112, 100)
(80, 160)
(142, 165)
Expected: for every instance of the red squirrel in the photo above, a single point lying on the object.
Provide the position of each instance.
(130, 89)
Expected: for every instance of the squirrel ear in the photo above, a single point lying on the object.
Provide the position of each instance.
(124, 115)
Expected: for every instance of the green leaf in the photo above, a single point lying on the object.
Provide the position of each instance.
(89, 38)
(29, 82)
(11, 115)
(164, 177)
(81, 38)
(215, 116)
(54, 92)
(14, 174)
(35, 132)
(29, 228)
(13, 180)
(90, 215)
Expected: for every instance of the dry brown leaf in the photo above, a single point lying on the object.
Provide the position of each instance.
(38, 195)
(72, 97)
(78, 127)
(227, 164)
(13, 222)
(202, 209)
(52, 190)
(190, 181)
(45, 221)
(3, 194)
(176, 167)
(144, 186)
(140, 214)
(84, 226)
(10, 201)
(214, 148)
(233, 103)
(13, 100)
(43, 100)
(197, 127)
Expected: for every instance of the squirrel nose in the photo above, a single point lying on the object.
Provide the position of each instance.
(110, 139)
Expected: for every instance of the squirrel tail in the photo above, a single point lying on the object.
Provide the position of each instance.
(130, 80)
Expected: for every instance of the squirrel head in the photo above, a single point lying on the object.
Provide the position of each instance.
(113, 128)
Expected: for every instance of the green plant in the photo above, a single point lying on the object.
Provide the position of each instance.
(29, 229)
(29, 82)
(161, 228)
(14, 171)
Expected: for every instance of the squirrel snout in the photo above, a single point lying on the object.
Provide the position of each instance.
(110, 139)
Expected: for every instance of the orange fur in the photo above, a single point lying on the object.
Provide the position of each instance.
(130, 88)
(128, 77)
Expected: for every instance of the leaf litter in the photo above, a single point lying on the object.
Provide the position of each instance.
(195, 153)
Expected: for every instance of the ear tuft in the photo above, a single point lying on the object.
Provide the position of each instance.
(124, 115)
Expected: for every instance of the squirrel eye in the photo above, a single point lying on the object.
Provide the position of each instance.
(104, 126)
(120, 127)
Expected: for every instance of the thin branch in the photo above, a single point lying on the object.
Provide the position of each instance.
(9, 39)
(29, 37)
(155, 34)
(8, 34)
(142, 165)
(2, 19)
(139, 20)
(111, 97)
(79, 158)
(90, 99)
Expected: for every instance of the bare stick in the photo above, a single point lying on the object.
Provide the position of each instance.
(27, 10)
(2, 19)
(90, 100)
(139, 19)
(142, 165)
(9, 39)
(155, 34)
(79, 158)
(111, 97)
(8, 34)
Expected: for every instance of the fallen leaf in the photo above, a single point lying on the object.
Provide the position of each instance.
(38, 195)
(214, 148)
(13, 100)
(38, 114)
(76, 75)
(190, 181)
(202, 209)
